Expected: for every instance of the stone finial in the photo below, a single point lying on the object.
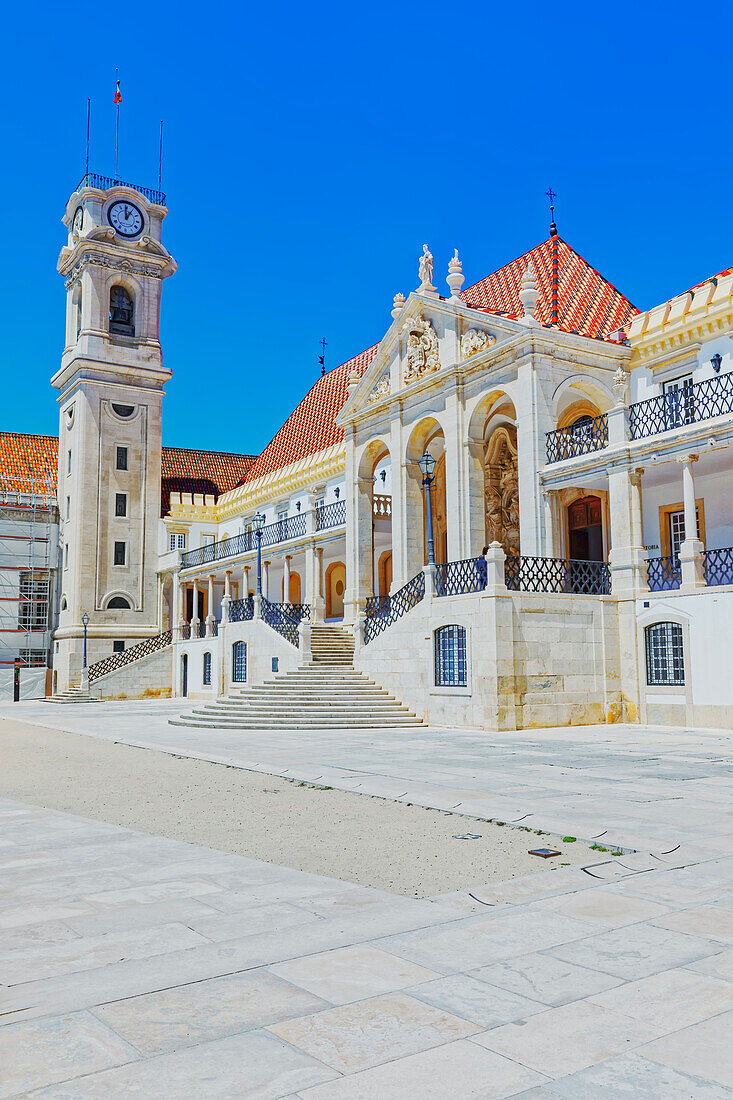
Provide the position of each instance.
(529, 294)
(353, 382)
(621, 385)
(398, 305)
(455, 277)
(426, 272)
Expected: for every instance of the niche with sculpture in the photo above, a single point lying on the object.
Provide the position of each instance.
(501, 489)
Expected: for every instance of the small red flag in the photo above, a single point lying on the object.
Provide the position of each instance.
(118, 94)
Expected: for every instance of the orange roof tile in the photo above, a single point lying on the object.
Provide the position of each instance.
(585, 302)
(31, 458)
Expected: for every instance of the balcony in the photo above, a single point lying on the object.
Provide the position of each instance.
(282, 530)
(588, 435)
(103, 183)
(687, 405)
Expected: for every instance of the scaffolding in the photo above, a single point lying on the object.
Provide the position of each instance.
(27, 564)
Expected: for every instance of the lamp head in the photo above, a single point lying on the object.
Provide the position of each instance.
(717, 362)
(258, 522)
(427, 464)
(85, 619)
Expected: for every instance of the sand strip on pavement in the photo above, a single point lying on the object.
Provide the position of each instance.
(371, 841)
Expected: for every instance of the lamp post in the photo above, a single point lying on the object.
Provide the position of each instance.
(427, 465)
(258, 522)
(85, 623)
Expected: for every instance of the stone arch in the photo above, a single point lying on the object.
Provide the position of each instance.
(335, 585)
(580, 395)
(373, 512)
(118, 595)
(427, 435)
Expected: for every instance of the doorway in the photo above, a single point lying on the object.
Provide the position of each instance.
(585, 530)
(184, 675)
(335, 586)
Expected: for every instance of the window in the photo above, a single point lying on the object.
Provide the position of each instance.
(239, 662)
(64, 605)
(33, 605)
(582, 427)
(207, 670)
(282, 524)
(66, 555)
(124, 411)
(118, 647)
(118, 603)
(665, 663)
(120, 549)
(122, 458)
(68, 507)
(679, 401)
(208, 540)
(120, 504)
(450, 657)
(177, 540)
(68, 463)
(121, 312)
(77, 303)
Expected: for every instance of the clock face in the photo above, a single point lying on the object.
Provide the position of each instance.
(78, 221)
(125, 218)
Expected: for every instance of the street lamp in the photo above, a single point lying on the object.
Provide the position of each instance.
(85, 622)
(427, 465)
(258, 522)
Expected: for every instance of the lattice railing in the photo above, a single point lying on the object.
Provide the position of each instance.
(241, 611)
(274, 615)
(687, 405)
(718, 566)
(127, 656)
(562, 575)
(665, 574)
(382, 611)
(282, 530)
(330, 515)
(297, 611)
(215, 628)
(184, 632)
(455, 577)
(580, 439)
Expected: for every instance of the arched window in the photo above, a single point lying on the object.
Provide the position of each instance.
(450, 657)
(239, 662)
(77, 310)
(121, 312)
(118, 603)
(63, 603)
(207, 670)
(665, 662)
(580, 428)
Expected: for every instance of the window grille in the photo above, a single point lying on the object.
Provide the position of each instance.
(120, 504)
(239, 662)
(177, 541)
(664, 655)
(207, 670)
(119, 558)
(118, 647)
(450, 657)
(122, 458)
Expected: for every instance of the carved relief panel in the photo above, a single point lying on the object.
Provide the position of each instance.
(501, 489)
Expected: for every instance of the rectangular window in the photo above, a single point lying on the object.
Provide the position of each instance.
(122, 458)
(66, 555)
(679, 401)
(68, 463)
(665, 665)
(450, 657)
(120, 550)
(118, 647)
(239, 662)
(68, 507)
(177, 540)
(120, 504)
(208, 540)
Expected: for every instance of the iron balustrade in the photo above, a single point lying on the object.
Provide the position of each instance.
(579, 439)
(330, 515)
(184, 632)
(664, 574)
(127, 656)
(297, 611)
(718, 566)
(686, 405)
(274, 615)
(455, 577)
(241, 611)
(381, 611)
(103, 183)
(560, 575)
(215, 628)
(282, 530)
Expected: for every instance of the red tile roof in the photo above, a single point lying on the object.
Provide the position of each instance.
(312, 426)
(585, 302)
(30, 457)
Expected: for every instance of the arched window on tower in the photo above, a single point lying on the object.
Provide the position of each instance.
(77, 311)
(121, 312)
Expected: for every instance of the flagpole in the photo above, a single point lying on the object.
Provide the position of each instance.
(118, 100)
(160, 157)
(89, 114)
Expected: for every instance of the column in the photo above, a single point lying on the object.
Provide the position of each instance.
(627, 558)
(692, 549)
(533, 406)
(228, 583)
(319, 602)
(457, 544)
(399, 530)
(245, 581)
(266, 579)
(286, 579)
(475, 504)
(195, 610)
(175, 602)
(227, 598)
(210, 607)
(359, 548)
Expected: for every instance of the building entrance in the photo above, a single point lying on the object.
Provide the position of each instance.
(585, 529)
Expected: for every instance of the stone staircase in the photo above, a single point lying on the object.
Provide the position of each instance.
(327, 693)
(71, 695)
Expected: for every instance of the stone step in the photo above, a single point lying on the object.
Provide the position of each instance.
(385, 707)
(295, 724)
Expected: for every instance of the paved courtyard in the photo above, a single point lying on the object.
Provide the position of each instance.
(141, 966)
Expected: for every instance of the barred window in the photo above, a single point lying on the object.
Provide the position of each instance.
(664, 656)
(450, 657)
(239, 662)
(207, 670)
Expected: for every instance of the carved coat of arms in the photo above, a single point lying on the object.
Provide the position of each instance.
(422, 350)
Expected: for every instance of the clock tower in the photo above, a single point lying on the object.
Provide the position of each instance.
(111, 383)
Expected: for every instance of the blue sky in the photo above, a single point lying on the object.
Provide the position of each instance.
(311, 149)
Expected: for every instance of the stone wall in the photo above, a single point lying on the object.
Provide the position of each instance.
(533, 660)
(150, 677)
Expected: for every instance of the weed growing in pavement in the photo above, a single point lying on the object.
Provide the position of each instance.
(569, 839)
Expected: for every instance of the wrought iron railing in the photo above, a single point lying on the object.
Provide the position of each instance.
(297, 611)
(184, 632)
(241, 611)
(686, 405)
(718, 566)
(381, 611)
(127, 656)
(215, 628)
(274, 615)
(562, 575)
(664, 574)
(330, 515)
(579, 439)
(455, 577)
(93, 179)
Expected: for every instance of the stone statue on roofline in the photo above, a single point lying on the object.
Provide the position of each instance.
(426, 271)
